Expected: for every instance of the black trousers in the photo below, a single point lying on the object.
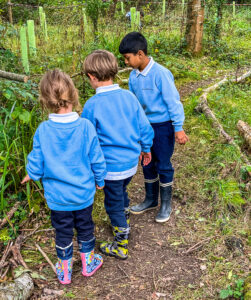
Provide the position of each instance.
(65, 221)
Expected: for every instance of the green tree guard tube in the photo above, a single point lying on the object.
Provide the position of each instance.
(24, 50)
(164, 9)
(122, 7)
(40, 11)
(133, 17)
(45, 26)
(85, 20)
(31, 37)
(138, 19)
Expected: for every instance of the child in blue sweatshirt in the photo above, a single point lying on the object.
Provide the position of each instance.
(67, 156)
(154, 87)
(124, 133)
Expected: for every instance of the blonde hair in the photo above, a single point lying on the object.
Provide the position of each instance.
(57, 90)
(102, 64)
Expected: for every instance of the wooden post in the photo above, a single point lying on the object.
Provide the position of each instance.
(31, 37)
(183, 6)
(133, 17)
(24, 50)
(10, 12)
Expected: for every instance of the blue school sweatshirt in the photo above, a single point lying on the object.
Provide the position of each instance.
(122, 127)
(155, 89)
(69, 159)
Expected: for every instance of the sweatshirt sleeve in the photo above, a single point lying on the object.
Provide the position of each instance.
(130, 84)
(165, 84)
(88, 113)
(96, 157)
(35, 165)
(146, 131)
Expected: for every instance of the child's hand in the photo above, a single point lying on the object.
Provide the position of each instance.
(181, 137)
(99, 187)
(146, 156)
(26, 179)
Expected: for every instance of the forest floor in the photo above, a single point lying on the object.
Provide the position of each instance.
(162, 263)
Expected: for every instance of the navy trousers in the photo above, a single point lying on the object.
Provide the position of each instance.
(162, 151)
(116, 200)
(65, 221)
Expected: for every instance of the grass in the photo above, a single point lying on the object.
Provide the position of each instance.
(208, 171)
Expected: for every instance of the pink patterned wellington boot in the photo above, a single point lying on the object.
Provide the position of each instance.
(90, 262)
(64, 264)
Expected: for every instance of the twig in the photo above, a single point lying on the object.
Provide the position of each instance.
(203, 107)
(124, 70)
(154, 284)
(198, 245)
(9, 215)
(123, 271)
(46, 257)
(6, 253)
(6, 271)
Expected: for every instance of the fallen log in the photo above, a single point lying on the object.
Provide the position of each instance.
(21, 288)
(203, 107)
(13, 76)
(245, 131)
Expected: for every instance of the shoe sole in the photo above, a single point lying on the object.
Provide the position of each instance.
(162, 221)
(142, 211)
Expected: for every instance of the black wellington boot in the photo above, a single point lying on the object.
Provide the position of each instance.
(165, 206)
(151, 199)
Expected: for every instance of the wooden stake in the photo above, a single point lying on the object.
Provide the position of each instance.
(10, 12)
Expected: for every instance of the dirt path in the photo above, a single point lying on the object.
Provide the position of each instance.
(153, 266)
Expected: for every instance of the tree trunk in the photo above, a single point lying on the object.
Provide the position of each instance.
(194, 26)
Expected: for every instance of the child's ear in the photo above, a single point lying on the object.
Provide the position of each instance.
(92, 78)
(141, 54)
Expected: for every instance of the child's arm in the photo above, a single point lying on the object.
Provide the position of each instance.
(171, 97)
(35, 165)
(96, 157)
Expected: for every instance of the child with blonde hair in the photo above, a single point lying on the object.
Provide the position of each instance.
(125, 135)
(67, 156)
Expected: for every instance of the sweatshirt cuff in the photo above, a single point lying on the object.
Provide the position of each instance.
(178, 128)
(33, 177)
(146, 149)
(100, 183)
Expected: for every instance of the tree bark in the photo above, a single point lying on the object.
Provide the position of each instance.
(245, 131)
(194, 26)
(13, 76)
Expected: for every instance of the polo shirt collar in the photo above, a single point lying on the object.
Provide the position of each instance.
(147, 68)
(64, 118)
(107, 88)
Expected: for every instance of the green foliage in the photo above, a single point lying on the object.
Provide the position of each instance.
(235, 291)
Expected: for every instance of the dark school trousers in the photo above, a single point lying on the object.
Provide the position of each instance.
(65, 221)
(116, 200)
(162, 151)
